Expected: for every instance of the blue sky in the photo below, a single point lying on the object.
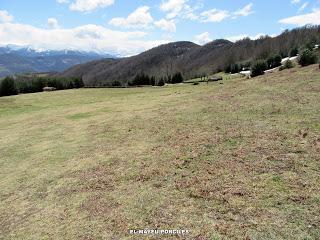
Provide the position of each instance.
(127, 27)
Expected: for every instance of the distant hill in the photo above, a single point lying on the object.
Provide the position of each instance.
(191, 59)
(162, 60)
(15, 60)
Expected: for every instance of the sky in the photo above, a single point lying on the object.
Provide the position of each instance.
(128, 27)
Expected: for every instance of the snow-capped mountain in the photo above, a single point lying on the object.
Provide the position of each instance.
(24, 59)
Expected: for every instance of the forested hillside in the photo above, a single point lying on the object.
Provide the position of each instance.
(193, 60)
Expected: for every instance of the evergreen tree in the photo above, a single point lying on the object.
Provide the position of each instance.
(8, 87)
(274, 61)
(258, 68)
(288, 64)
(235, 68)
(161, 82)
(307, 57)
(177, 78)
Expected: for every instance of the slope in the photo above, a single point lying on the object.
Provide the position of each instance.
(225, 161)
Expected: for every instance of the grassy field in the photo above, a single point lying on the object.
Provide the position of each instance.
(238, 160)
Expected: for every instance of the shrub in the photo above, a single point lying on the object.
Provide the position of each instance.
(8, 87)
(287, 65)
(177, 78)
(258, 68)
(307, 57)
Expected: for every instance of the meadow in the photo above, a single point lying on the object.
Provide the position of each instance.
(236, 159)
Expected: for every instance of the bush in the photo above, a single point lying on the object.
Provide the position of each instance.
(258, 68)
(287, 65)
(307, 57)
(177, 78)
(8, 87)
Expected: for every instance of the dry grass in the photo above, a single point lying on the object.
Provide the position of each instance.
(233, 161)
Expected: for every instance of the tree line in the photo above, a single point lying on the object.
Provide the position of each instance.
(18, 85)
(144, 79)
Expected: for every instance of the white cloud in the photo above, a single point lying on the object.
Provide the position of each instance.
(245, 11)
(141, 17)
(172, 7)
(217, 15)
(87, 38)
(179, 8)
(301, 20)
(203, 38)
(90, 5)
(166, 25)
(62, 1)
(303, 6)
(295, 1)
(5, 16)
(188, 12)
(53, 23)
(214, 15)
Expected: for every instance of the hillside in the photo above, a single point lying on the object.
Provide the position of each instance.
(16, 60)
(236, 160)
(161, 60)
(191, 59)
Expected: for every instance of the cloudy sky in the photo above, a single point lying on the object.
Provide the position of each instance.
(127, 27)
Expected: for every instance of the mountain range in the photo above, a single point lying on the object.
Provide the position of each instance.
(15, 59)
(190, 59)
